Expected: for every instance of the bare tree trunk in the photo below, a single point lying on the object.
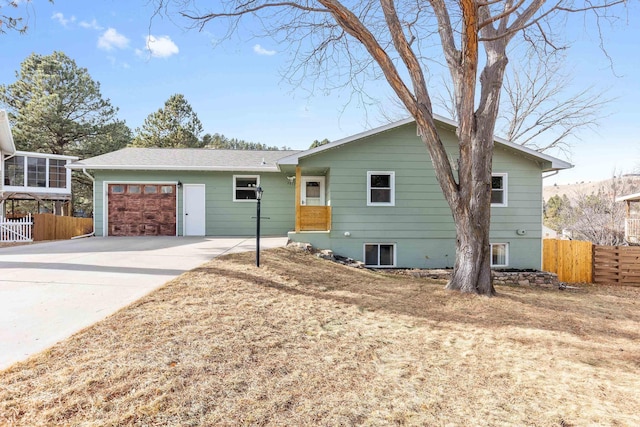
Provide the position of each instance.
(472, 272)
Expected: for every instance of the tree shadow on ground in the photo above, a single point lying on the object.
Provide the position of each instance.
(588, 313)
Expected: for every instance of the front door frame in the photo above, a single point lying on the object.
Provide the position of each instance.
(202, 227)
(304, 180)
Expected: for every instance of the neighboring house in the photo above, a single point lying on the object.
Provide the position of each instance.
(632, 219)
(371, 197)
(30, 176)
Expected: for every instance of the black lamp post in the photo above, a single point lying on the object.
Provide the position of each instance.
(258, 199)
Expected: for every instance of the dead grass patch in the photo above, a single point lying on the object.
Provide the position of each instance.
(302, 341)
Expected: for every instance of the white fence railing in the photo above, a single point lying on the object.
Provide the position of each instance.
(16, 230)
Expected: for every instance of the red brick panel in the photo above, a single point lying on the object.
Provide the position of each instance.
(142, 213)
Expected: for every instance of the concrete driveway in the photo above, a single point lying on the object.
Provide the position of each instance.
(48, 291)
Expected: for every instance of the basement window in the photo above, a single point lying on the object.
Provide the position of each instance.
(499, 254)
(380, 254)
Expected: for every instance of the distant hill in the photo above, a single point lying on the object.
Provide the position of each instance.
(627, 183)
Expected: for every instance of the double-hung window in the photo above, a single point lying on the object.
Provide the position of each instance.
(499, 189)
(499, 254)
(381, 188)
(380, 254)
(244, 187)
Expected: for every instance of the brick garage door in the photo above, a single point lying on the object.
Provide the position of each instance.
(142, 210)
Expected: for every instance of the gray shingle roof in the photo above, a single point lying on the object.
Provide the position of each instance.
(185, 159)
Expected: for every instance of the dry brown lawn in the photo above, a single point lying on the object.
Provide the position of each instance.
(302, 341)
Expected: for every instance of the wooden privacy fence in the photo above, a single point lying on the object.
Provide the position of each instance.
(571, 260)
(577, 261)
(619, 265)
(53, 227)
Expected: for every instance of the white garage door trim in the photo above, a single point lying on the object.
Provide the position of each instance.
(105, 200)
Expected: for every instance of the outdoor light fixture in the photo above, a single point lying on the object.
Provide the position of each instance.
(258, 199)
(179, 184)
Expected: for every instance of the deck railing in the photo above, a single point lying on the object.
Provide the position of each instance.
(315, 218)
(632, 230)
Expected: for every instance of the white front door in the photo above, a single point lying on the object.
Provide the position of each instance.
(312, 189)
(194, 209)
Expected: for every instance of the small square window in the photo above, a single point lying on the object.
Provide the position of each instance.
(117, 189)
(150, 189)
(166, 189)
(379, 255)
(380, 188)
(499, 254)
(133, 189)
(499, 189)
(244, 187)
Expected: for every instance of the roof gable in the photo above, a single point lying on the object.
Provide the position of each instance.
(552, 162)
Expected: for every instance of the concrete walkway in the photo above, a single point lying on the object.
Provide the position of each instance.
(49, 291)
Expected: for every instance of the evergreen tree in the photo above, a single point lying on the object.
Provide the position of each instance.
(174, 126)
(317, 143)
(56, 107)
(221, 142)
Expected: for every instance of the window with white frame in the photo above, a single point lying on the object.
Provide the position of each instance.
(381, 188)
(14, 171)
(36, 172)
(499, 254)
(244, 187)
(499, 189)
(380, 254)
(57, 173)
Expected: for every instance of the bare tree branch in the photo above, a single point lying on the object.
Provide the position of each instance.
(355, 40)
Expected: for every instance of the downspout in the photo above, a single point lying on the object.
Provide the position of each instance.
(93, 180)
(84, 171)
(556, 172)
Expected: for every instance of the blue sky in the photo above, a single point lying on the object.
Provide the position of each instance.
(236, 87)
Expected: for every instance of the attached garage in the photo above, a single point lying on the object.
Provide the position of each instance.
(141, 209)
(189, 192)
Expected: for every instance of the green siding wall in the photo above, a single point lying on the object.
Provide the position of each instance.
(420, 223)
(224, 217)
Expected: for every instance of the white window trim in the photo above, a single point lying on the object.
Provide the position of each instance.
(364, 254)
(257, 177)
(392, 184)
(505, 190)
(47, 189)
(506, 257)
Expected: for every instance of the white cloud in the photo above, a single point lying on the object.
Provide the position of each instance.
(93, 25)
(262, 51)
(160, 47)
(111, 39)
(62, 20)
